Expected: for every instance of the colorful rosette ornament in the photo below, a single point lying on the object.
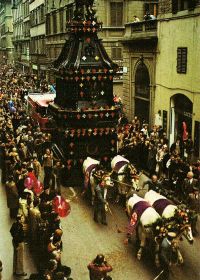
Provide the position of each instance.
(61, 206)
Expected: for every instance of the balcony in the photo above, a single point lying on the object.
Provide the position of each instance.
(141, 31)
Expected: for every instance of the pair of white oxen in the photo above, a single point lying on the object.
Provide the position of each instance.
(127, 184)
(157, 208)
(123, 174)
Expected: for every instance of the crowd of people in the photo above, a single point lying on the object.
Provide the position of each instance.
(174, 166)
(32, 175)
(25, 154)
(32, 178)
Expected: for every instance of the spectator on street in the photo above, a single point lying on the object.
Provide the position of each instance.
(148, 16)
(153, 184)
(190, 186)
(136, 19)
(12, 197)
(17, 233)
(99, 268)
(37, 168)
(58, 173)
(48, 167)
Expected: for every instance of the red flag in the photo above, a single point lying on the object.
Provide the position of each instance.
(185, 133)
(61, 206)
(28, 183)
(38, 187)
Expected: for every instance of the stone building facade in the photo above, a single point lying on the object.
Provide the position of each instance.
(6, 31)
(158, 79)
(21, 35)
(162, 81)
(114, 14)
(177, 68)
(38, 53)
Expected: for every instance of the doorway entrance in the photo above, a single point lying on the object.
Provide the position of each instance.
(181, 113)
(142, 93)
(197, 139)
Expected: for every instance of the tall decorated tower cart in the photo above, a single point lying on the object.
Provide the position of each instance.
(84, 107)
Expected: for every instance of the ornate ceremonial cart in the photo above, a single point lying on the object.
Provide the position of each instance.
(84, 109)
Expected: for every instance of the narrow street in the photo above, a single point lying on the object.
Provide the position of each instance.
(83, 240)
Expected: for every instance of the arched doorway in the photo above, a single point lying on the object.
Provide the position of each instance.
(181, 111)
(142, 93)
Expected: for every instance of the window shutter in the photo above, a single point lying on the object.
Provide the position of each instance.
(191, 4)
(174, 6)
(146, 8)
(119, 14)
(116, 13)
(182, 60)
(55, 23)
(113, 13)
(116, 53)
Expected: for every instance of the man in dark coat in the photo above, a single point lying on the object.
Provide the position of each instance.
(100, 203)
(153, 184)
(166, 254)
(151, 161)
(12, 197)
(17, 233)
(190, 187)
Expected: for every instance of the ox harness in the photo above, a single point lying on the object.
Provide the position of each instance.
(119, 165)
(160, 205)
(88, 173)
(136, 213)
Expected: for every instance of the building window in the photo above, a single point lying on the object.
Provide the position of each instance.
(69, 13)
(181, 5)
(61, 21)
(152, 8)
(116, 13)
(142, 93)
(42, 14)
(54, 23)
(116, 53)
(142, 81)
(181, 60)
(48, 24)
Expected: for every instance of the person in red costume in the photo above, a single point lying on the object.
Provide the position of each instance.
(185, 133)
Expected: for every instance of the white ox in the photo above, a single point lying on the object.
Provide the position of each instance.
(90, 165)
(167, 210)
(147, 217)
(127, 178)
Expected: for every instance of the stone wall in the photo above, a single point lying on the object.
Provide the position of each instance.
(165, 6)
